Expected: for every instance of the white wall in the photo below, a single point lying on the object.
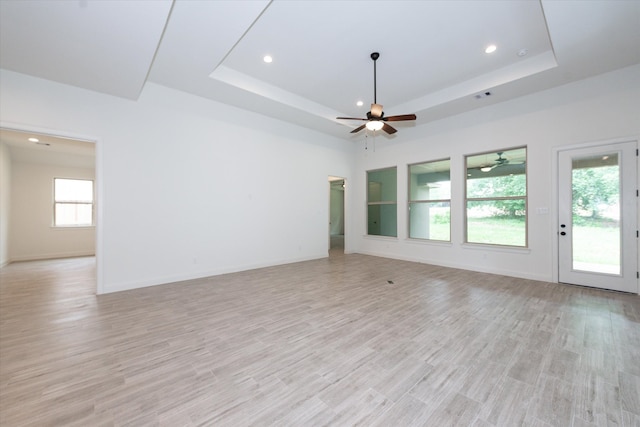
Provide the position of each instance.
(32, 234)
(5, 195)
(597, 109)
(189, 187)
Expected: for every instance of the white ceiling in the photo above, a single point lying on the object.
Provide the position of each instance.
(49, 149)
(432, 61)
(104, 46)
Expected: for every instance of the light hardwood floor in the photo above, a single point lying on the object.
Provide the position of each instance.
(348, 340)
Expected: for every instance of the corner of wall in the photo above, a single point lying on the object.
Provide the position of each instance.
(5, 200)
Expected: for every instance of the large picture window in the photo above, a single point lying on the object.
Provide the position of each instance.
(496, 198)
(73, 202)
(430, 200)
(382, 211)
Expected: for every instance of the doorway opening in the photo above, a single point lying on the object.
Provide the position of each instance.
(33, 163)
(337, 186)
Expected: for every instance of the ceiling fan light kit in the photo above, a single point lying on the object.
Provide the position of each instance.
(375, 117)
(374, 125)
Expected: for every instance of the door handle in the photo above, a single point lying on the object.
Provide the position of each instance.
(562, 233)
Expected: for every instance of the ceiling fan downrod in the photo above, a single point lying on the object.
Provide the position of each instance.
(374, 56)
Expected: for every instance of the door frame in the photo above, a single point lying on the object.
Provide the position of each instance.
(98, 201)
(331, 179)
(555, 220)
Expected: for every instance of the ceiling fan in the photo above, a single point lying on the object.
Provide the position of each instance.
(500, 161)
(376, 118)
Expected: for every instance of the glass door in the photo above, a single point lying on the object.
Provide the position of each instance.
(598, 217)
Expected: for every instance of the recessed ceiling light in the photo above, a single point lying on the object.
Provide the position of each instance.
(523, 52)
(490, 49)
(34, 140)
(359, 103)
(268, 59)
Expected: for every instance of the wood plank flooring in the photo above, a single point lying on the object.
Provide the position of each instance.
(348, 340)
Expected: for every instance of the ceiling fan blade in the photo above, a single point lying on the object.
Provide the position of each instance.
(376, 110)
(400, 118)
(358, 129)
(388, 129)
(349, 118)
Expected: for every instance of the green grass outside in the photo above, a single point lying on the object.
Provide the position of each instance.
(595, 241)
(497, 231)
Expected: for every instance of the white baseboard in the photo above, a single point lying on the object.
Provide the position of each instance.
(501, 272)
(40, 257)
(126, 286)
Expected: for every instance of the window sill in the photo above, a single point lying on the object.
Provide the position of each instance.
(415, 241)
(495, 248)
(71, 227)
(376, 237)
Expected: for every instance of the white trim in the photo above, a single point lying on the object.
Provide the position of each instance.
(136, 284)
(555, 152)
(555, 176)
(52, 256)
(427, 242)
(496, 248)
(380, 237)
(331, 179)
(476, 268)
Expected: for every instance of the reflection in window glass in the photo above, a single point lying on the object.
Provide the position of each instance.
(430, 200)
(73, 202)
(381, 202)
(496, 198)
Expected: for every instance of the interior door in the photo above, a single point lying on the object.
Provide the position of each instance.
(597, 238)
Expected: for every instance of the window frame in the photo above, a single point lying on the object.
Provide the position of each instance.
(525, 198)
(74, 202)
(410, 201)
(381, 202)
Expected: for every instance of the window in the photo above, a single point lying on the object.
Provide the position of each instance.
(430, 200)
(382, 212)
(496, 198)
(73, 202)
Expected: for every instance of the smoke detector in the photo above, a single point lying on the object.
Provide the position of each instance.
(482, 95)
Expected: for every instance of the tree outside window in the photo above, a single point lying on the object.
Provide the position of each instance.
(496, 198)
